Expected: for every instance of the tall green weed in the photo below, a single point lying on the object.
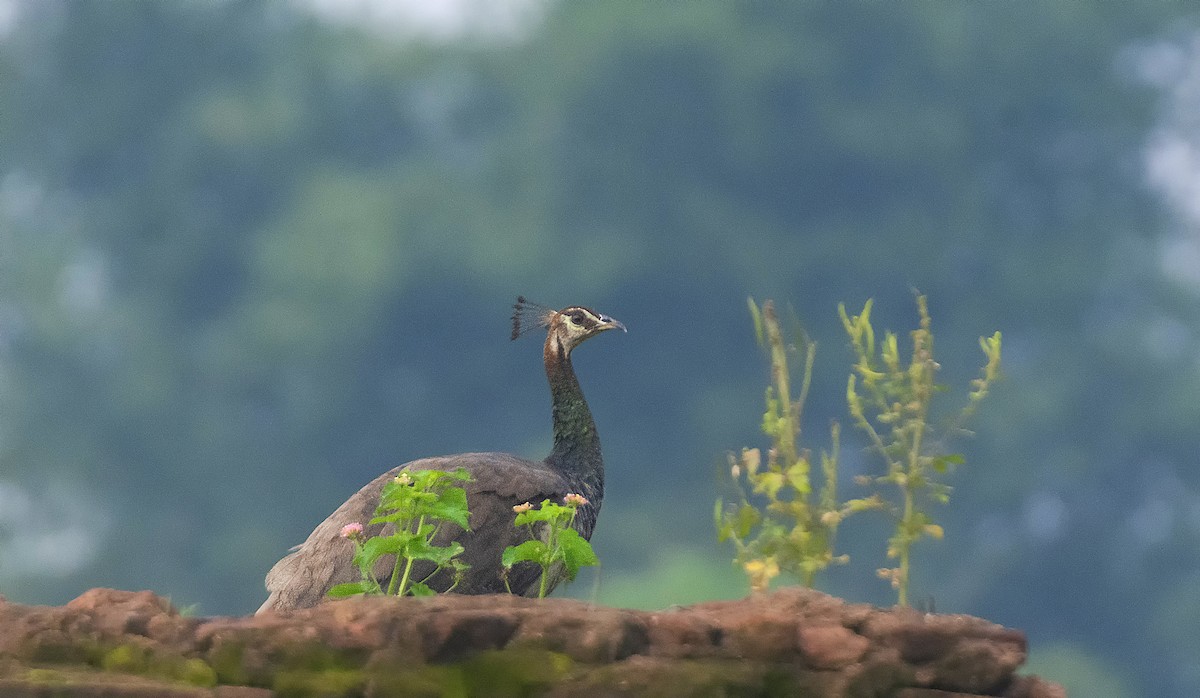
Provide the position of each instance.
(777, 524)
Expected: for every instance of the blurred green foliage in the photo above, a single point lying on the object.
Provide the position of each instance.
(251, 259)
(1080, 673)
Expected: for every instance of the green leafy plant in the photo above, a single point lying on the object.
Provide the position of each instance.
(417, 504)
(891, 400)
(552, 544)
(790, 531)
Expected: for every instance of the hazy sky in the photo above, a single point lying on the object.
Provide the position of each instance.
(440, 19)
(1172, 156)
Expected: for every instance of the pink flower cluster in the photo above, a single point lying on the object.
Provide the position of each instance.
(352, 530)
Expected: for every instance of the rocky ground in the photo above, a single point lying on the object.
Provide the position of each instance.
(793, 642)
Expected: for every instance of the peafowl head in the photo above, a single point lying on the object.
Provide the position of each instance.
(566, 328)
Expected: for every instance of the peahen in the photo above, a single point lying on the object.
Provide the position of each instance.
(500, 481)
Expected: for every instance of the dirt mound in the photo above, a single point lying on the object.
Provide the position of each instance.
(793, 642)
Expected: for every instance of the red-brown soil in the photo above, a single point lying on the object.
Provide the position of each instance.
(793, 642)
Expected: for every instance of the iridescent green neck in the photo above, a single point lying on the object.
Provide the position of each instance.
(576, 452)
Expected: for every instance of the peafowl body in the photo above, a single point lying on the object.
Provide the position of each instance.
(499, 482)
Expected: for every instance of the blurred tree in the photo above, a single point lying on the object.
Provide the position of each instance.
(251, 259)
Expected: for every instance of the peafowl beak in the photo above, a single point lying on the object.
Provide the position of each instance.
(607, 323)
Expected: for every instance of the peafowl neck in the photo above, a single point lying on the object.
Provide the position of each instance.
(576, 452)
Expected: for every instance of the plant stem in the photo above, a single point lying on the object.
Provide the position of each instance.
(779, 372)
(555, 553)
(407, 568)
(395, 571)
(905, 545)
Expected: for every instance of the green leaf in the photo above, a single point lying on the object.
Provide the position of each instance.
(402, 519)
(451, 505)
(341, 591)
(419, 548)
(797, 477)
(527, 517)
(529, 551)
(402, 498)
(747, 518)
(943, 463)
(377, 547)
(396, 495)
(439, 555)
(769, 484)
(862, 504)
(548, 512)
(421, 589)
(917, 521)
(425, 478)
(576, 552)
